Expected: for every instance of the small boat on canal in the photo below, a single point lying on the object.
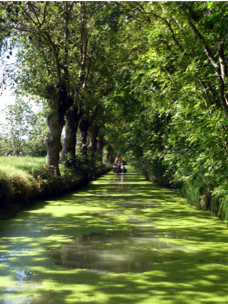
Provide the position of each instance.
(119, 169)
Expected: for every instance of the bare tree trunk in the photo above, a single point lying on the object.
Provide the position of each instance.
(93, 133)
(111, 155)
(58, 103)
(72, 118)
(58, 96)
(83, 126)
(100, 146)
(17, 152)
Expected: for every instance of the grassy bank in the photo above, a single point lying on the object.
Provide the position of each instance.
(206, 195)
(26, 179)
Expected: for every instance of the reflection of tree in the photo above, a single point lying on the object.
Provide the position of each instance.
(118, 252)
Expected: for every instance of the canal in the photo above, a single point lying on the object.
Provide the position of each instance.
(118, 240)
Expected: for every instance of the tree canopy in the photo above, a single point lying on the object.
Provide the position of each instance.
(147, 78)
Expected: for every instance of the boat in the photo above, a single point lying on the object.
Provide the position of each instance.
(116, 169)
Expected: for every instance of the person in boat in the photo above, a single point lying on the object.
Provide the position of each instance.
(115, 167)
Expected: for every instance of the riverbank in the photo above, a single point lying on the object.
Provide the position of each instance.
(24, 180)
(197, 193)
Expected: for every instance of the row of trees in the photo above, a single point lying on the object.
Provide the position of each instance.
(173, 99)
(149, 77)
(64, 52)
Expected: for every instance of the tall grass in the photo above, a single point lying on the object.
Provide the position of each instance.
(201, 194)
(12, 166)
(25, 179)
(191, 193)
(18, 185)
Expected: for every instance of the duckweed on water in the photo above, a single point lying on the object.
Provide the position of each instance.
(167, 252)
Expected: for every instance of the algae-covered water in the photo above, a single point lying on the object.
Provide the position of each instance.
(120, 239)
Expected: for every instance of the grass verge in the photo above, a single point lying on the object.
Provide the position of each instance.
(26, 179)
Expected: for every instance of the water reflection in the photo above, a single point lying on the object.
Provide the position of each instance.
(139, 221)
(116, 251)
(138, 204)
(157, 233)
(23, 286)
(30, 300)
(24, 276)
(119, 186)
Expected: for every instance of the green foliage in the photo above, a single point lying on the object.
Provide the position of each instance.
(151, 75)
(23, 130)
(77, 163)
(169, 103)
(88, 165)
(20, 121)
(35, 144)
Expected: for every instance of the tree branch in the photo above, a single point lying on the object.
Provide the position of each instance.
(44, 13)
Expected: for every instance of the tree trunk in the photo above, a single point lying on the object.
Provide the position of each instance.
(93, 133)
(16, 153)
(83, 126)
(100, 146)
(111, 155)
(59, 102)
(72, 118)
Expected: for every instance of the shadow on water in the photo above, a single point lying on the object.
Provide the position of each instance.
(158, 249)
(138, 204)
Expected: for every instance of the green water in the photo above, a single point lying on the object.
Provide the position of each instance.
(121, 239)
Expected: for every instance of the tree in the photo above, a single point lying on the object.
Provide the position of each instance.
(171, 100)
(57, 64)
(34, 33)
(97, 61)
(19, 125)
(35, 144)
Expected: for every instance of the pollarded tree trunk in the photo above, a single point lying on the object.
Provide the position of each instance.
(72, 118)
(16, 152)
(59, 102)
(111, 155)
(83, 126)
(93, 133)
(100, 147)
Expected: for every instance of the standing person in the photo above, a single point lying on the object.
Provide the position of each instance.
(119, 163)
(122, 167)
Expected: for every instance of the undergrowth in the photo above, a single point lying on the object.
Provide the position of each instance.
(205, 193)
(205, 196)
